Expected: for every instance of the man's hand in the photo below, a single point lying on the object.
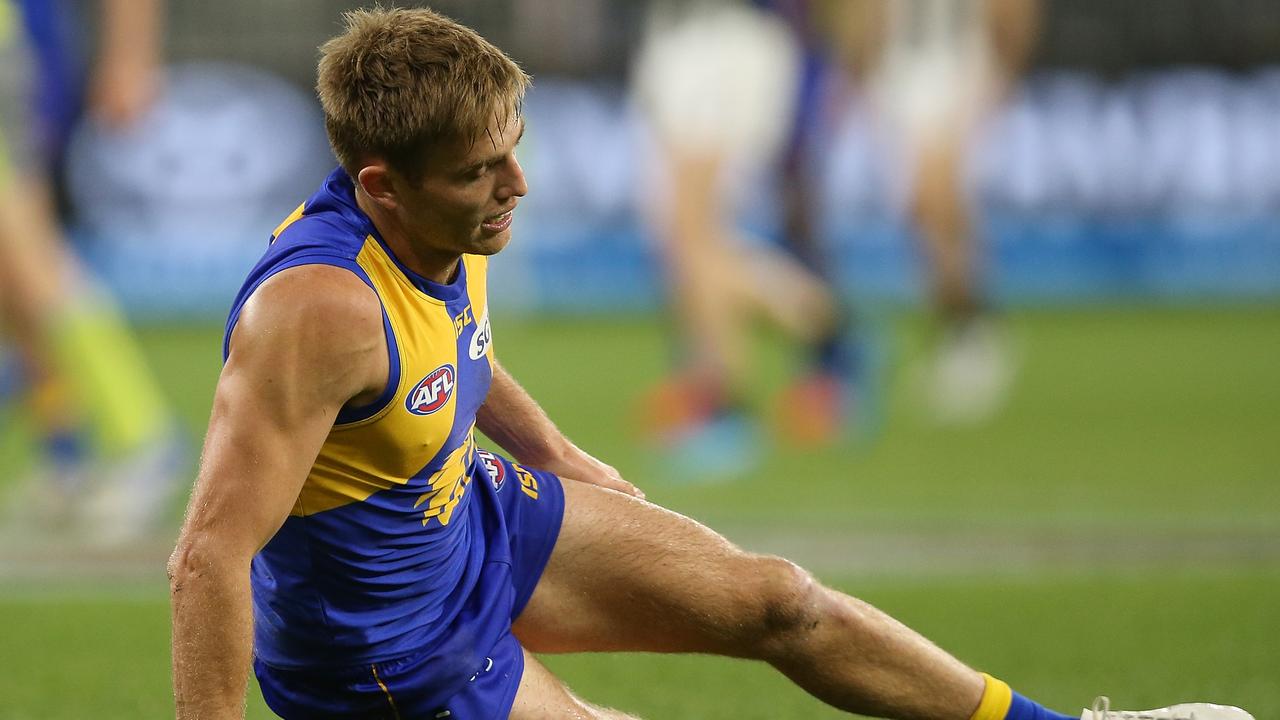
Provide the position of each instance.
(577, 464)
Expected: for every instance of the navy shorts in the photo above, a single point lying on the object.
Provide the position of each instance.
(532, 507)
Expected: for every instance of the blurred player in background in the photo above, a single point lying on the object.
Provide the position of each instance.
(731, 88)
(934, 70)
(106, 433)
(731, 91)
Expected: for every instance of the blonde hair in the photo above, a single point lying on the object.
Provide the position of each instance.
(398, 80)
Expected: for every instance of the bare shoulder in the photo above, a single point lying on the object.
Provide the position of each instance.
(317, 321)
(312, 299)
(308, 341)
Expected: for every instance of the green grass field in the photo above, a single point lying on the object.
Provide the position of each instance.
(1116, 530)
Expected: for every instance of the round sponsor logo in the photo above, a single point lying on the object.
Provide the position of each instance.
(482, 338)
(492, 465)
(432, 392)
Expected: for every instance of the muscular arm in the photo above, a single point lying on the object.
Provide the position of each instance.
(516, 422)
(308, 341)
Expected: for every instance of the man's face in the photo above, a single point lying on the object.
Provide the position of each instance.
(464, 202)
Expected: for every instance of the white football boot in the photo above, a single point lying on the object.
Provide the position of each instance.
(1186, 711)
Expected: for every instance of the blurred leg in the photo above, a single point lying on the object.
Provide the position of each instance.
(110, 458)
(70, 331)
(722, 283)
(940, 209)
(704, 273)
(974, 364)
(788, 294)
(716, 84)
(31, 277)
(32, 265)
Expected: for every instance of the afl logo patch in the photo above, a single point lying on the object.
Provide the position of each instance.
(492, 465)
(432, 392)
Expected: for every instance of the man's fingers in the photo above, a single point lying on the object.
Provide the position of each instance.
(632, 490)
(621, 486)
(624, 486)
(614, 482)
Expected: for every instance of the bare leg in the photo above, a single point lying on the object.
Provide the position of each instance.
(34, 269)
(70, 332)
(942, 214)
(703, 271)
(543, 697)
(34, 265)
(789, 295)
(627, 575)
(721, 284)
(974, 365)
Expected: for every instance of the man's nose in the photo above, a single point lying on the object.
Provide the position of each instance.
(515, 184)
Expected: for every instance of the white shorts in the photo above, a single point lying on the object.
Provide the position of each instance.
(722, 80)
(933, 97)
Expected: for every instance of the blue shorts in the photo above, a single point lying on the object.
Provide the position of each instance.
(531, 503)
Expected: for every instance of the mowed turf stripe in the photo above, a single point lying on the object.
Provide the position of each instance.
(48, 565)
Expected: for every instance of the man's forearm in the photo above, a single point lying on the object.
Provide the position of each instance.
(212, 635)
(511, 418)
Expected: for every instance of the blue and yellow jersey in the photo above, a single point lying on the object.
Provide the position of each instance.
(382, 552)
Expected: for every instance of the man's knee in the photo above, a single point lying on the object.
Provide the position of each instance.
(785, 605)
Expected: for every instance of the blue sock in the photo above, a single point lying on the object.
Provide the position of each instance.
(1023, 709)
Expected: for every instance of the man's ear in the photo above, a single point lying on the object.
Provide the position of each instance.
(377, 183)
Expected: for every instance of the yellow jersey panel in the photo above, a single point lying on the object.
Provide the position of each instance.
(400, 439)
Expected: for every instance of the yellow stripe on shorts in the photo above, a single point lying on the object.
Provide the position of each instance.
(383, 685)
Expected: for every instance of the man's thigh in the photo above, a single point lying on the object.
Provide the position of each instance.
(628, 575)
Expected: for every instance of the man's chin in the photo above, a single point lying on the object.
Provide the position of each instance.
(491, 244)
